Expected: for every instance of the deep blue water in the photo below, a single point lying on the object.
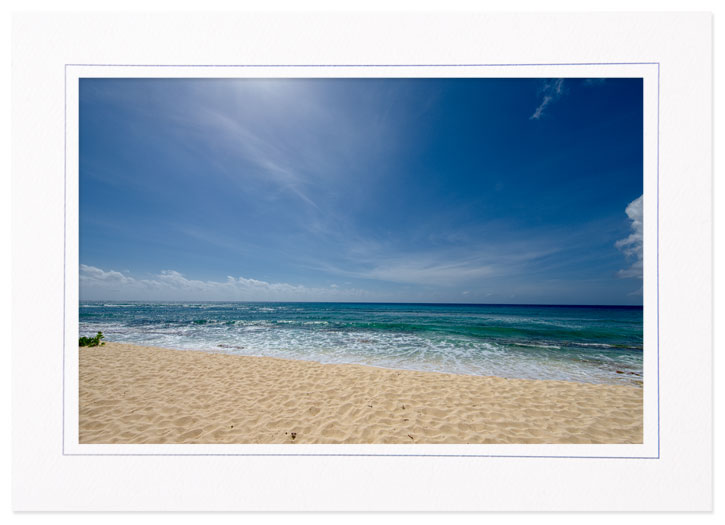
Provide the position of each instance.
(576, 343)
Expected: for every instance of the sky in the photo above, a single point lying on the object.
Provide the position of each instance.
(518, 191)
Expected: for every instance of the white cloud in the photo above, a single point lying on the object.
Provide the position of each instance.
(632, 245)
(170, 285)
(98, 275)
(551, 90)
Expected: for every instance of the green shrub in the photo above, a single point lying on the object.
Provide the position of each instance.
(91, 341)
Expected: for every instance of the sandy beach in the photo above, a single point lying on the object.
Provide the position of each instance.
(137, 394)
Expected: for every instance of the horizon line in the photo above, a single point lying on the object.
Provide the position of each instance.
(364, 302)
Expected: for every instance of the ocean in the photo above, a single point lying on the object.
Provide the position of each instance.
(592, 344)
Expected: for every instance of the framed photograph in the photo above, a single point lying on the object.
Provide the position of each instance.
(306, 261)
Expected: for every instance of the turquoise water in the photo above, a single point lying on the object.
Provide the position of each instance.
(594, 344)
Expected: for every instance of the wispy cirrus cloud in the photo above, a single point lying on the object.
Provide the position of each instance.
(273, 142)
(465, 264)
(631, 246)
(550, 91)
(419, 272)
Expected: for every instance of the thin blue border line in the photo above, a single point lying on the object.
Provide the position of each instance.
(65, 117)
(65, 220)
(376, 455)
(658, 260)
(367, 65)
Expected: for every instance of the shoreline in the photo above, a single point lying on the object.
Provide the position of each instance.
(142, 394)
(638, 383)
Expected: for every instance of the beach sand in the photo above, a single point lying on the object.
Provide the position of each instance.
(137, 394)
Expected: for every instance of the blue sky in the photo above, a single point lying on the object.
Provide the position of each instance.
(420, 190)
